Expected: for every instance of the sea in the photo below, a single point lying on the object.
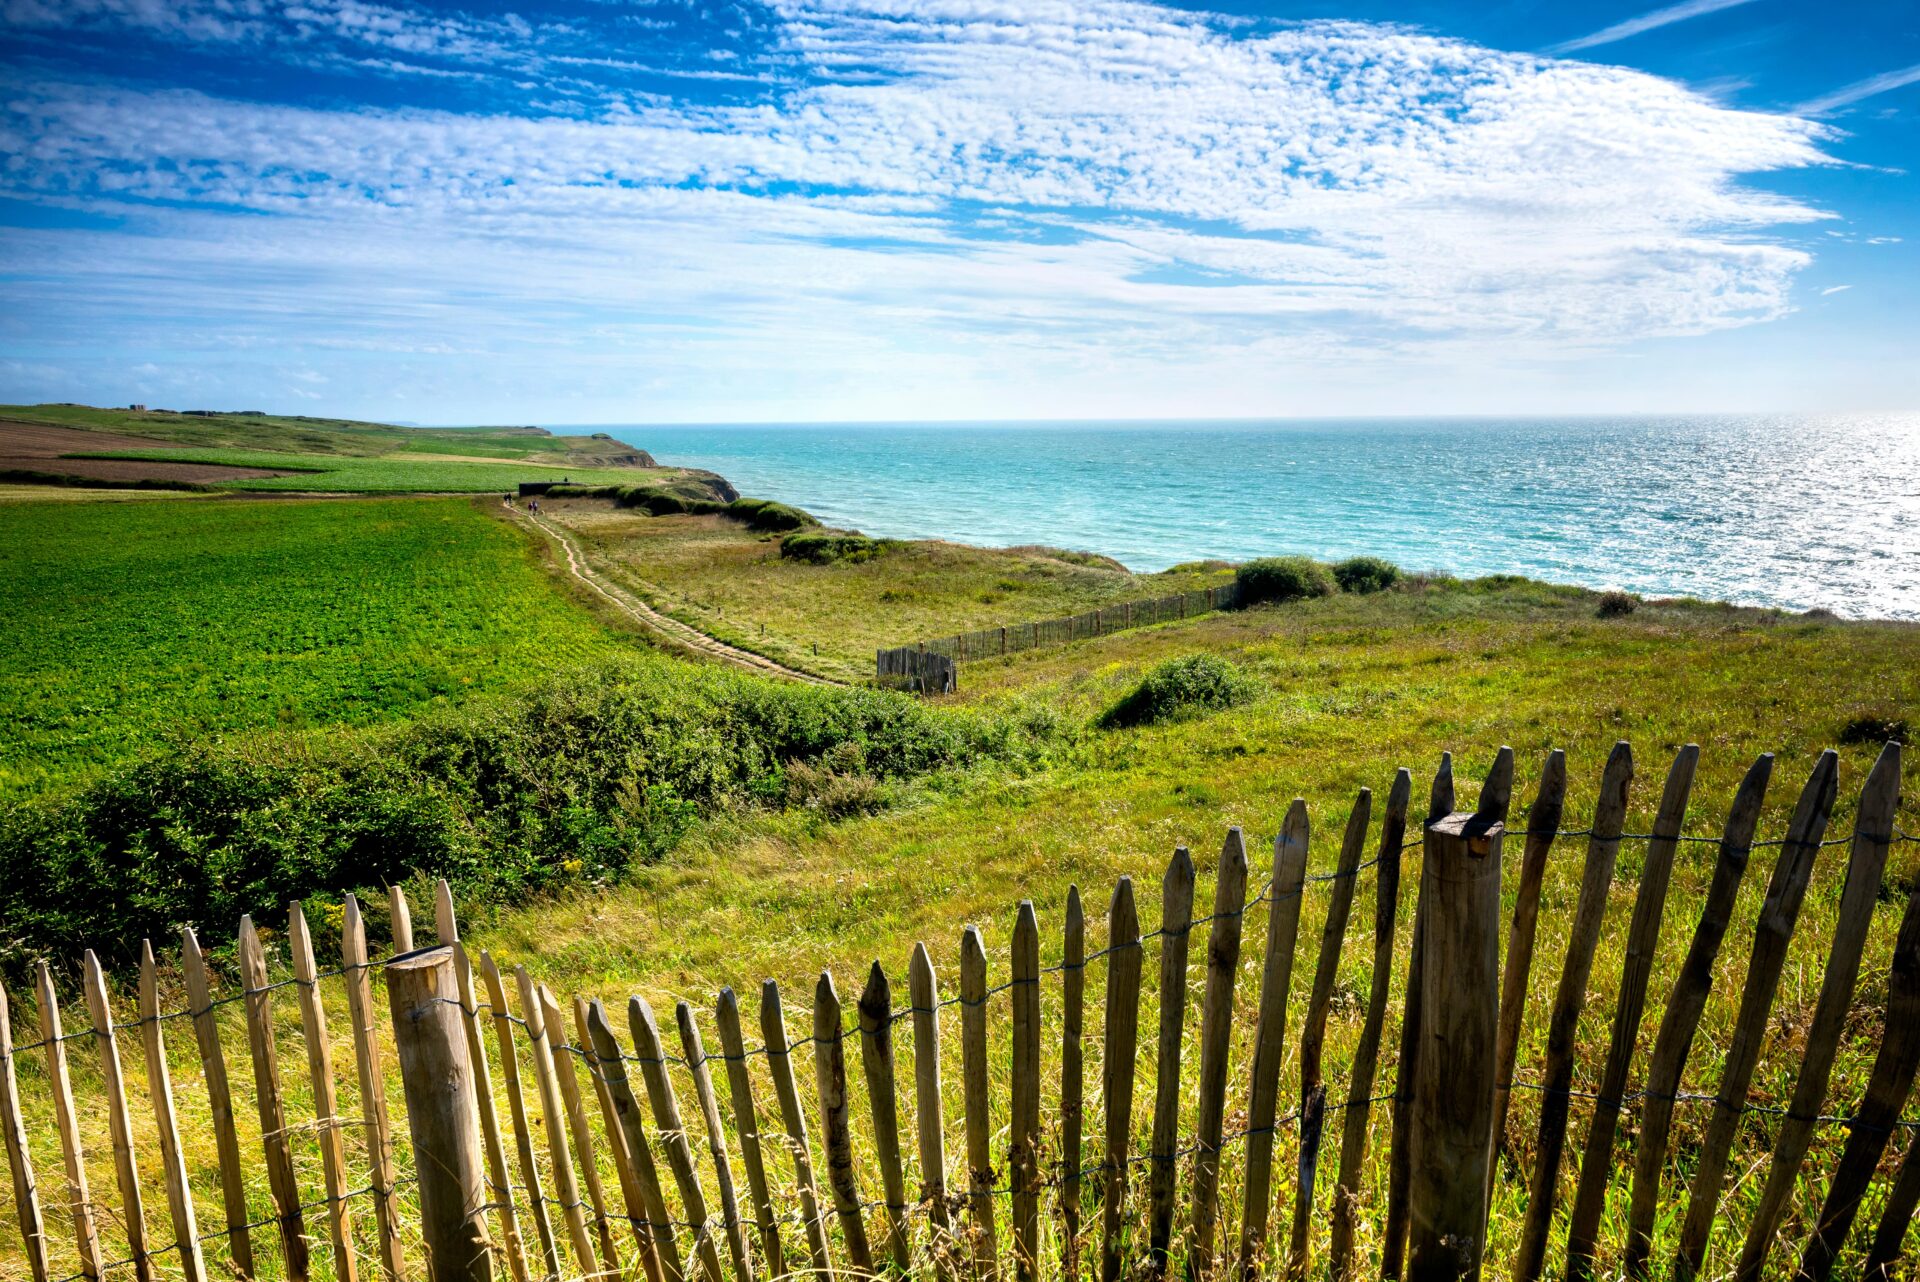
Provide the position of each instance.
(1791, 511)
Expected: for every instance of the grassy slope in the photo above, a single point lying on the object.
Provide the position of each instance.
(1357, 687)
(303, 435)
(730, 582)
(130, 622)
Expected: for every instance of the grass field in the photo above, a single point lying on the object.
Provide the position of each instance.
(1349, 688)
(1354, 688)
(395, 473)
(734, 584)
(130, 623)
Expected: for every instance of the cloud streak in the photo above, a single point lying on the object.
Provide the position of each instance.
(1886, 82)
(1645, 22)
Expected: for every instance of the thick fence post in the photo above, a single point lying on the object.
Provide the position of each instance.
(442, 1114)
(1452, 1117)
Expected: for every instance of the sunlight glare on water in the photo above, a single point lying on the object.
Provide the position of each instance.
(1794, 511)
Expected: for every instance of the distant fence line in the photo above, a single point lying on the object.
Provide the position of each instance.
(1032, 1188)
(921, 671)
(992, 642)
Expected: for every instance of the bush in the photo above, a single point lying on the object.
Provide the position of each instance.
(1283, 578)
(1617, 605)
(580, 780)
(653, 499)
(1365, 574)
(768, 516)
(1187, 686)
(823, 547)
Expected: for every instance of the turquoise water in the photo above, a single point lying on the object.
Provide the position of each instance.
(1790, 511)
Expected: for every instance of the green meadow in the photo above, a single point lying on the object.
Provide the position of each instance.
(425, 694)
(131, 625)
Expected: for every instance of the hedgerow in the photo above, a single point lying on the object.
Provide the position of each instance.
(580, 780)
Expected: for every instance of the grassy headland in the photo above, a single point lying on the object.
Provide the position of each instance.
(319, 455)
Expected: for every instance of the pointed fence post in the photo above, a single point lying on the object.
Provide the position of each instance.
(447, 927)
(1216, 1031)
(1313, 1035)
(213, 1070)
(430, 1041)
(26, 1194)
(186, 1232)
(1270, 1034)
(1603, 849)
(119, 1126)
(333, 1154)
(72, 1155)
(1176, 924)
(281, 1180)
(929, 1121)
(1366, 1056)
(1400, 1150)
(1117, 1067)
(373, 1091)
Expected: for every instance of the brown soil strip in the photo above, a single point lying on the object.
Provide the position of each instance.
(40, 447)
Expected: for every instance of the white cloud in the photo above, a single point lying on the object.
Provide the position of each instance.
(943, 185)
(1834, 289)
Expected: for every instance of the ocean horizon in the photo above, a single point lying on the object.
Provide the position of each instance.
(1792, 511)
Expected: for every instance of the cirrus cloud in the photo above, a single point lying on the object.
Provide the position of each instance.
(931, 179)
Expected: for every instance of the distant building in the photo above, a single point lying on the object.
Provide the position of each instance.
(138, 409)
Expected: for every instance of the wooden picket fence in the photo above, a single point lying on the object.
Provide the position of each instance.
(1060, 1191)
(990, 642)
(921, 671)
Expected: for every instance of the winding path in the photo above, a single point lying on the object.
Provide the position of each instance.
(665, 626)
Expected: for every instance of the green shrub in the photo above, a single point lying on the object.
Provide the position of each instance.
(579, 780)
(654, 500)
(691, 499)
(1365, 574)
(1186, 686)
(1616, 605)
(768, 516)
(1283, 578)
(823, 547)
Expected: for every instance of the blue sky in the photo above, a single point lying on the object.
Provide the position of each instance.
(594, 211)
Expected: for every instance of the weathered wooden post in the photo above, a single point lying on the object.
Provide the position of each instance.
(1452, 1116)
(442, 1114)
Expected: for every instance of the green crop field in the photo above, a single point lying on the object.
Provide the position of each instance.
(128, 623)
(392, 474)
